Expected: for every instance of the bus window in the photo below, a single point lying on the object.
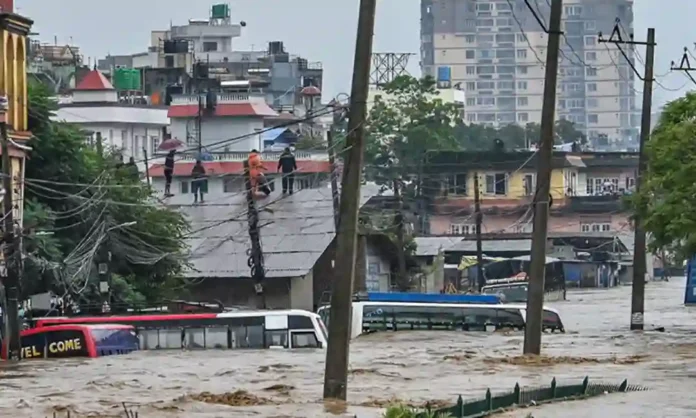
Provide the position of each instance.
(149, 339)
(276, 338)
(33, 346)
(411, 317)
(300, 322)
(66, 344)
(254, 337)
(324, 314)
(377, 318)
(170, 338)
(114, 339)
(478, 318)
(216, 337)
(510, 318)
(304, 339)
(194, 338)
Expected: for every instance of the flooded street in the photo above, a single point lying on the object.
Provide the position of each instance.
(413, 367)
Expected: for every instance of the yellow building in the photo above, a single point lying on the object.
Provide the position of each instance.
(13, 85)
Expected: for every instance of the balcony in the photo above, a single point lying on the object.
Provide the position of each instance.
(265, 156)
(596, 204)
(222, 98)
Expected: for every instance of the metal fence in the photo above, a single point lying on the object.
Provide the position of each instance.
(527, 397)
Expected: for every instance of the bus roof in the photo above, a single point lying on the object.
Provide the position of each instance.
(463, 305)
(426, 298)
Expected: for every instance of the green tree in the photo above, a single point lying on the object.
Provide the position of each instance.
(309, 142)
(80, 206)
(566, 132)
(404, 123)
(668, 192)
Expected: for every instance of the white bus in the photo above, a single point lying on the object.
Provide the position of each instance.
(291, 328)
(368, 317)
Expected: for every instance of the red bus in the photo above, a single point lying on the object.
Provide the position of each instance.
(63, 341)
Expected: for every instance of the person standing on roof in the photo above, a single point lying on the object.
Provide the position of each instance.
(256, 169)
(168, 173)
(198, 175)
(288, 165)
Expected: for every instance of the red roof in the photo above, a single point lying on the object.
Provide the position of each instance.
(183, 169)
(94, 80)
(223, 109)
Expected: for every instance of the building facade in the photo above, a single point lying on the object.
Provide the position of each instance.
(122, 125)
(587, 191)
(13, 85)
(497, 53)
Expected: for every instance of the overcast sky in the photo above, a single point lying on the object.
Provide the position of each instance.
(320, 30)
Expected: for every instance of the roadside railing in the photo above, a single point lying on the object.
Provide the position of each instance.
(526, 397)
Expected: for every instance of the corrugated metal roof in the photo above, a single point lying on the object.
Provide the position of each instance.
(295, 232)
(272, 134)
(431, 246)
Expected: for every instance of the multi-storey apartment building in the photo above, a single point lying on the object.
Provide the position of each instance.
(496, 49)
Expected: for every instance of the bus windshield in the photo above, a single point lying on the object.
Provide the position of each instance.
(113, 338)
(512, 293)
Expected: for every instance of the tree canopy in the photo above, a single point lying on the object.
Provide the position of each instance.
(409, 119)
(668, 190)
(83, 208)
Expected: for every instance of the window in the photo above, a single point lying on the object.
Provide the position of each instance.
(590, 56)
(155, 144)
(485, 101)
(523, 117)
(496, 184)
(232, 184)
(592, 118)
(521, 85)
(304, 339)
(522, 101)
(470, 39)
(276, 338)
(462, 229)
(590, 25)
(183, 187)
(590, 41)
(486, 85)
(630, 183)
(521, 53)
(572, 10)
(216, 337)
(470, 54)
(591, 72)
(470, 70)
(592, 103)
(521, 37)
(194, 338)
(598, 185)
(470, 86)
(529, 184)
(210, 46)
(521, 69)
(506, 85)
(471, 117)
(592, 87)
(471, 101)
(136, 146)
(456, 184)
(595, 227)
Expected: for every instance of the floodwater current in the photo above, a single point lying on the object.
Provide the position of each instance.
(411, 367)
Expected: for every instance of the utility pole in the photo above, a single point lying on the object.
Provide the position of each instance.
(537, 269)
(258, 272)
(479, 223)
(399, 222)
(147, 167)
(639, 250)
(334, 176)
(9, 251)
(336, 373)
(199, 124)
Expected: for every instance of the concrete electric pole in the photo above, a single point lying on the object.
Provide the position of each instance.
(336, 375)
(639, 251)
(479, 242)
(537, 269)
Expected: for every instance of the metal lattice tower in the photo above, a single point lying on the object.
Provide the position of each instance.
(386, 66)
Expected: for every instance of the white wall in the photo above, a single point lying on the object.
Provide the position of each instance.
(130, 138)
(220, 128)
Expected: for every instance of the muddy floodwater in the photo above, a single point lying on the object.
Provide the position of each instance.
(413, 367)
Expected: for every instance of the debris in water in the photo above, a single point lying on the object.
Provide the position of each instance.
(385, 403)
(458, 357)
(280, 389)
(531, 360)
(236, 398)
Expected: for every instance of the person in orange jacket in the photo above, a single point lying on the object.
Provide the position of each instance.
(256, 169)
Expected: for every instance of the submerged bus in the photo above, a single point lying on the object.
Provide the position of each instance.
(369, 317)
(71, 340)
(292, 328)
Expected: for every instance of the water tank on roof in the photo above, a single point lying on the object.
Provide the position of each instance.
(127, 79)
(276, 47)
(220, 11)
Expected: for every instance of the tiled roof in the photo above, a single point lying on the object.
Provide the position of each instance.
(183, 169)
(94, 80)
